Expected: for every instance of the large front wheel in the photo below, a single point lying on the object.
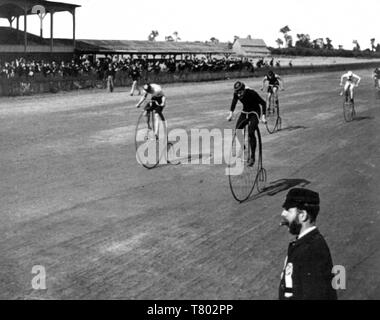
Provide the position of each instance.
(348, 110)
(147, 144)
(241, 176)
(272, 119)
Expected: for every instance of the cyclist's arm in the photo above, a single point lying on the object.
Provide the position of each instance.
(141, 100)
(341, 79)
(358, 78)
(163, 101)
(281, 82)
(234, 103)
(263, 105)
(233, 106)
(264, 80)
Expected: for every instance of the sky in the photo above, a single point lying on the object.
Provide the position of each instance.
(198, 20)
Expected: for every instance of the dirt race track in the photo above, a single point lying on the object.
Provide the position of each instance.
(75, 200)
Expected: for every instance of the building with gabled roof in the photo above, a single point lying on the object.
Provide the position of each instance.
(250, 48)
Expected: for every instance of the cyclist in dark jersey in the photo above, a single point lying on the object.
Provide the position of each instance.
(254, 107)
(274, 81)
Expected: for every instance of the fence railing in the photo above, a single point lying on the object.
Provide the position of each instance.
(40, 84)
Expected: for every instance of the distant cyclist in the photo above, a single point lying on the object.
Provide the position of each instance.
(274, 83)
(254, 107)
(376, 77)
(352, 80)
(157, 104)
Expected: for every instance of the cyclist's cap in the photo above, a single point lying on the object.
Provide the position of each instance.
(146, 87)
(301, 198)
(270, 72)
(350, 73)
(238, 86)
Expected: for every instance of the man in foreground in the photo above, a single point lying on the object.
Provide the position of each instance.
(307, 273)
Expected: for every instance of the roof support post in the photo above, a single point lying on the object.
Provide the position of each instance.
(51, 29)
(74, 27)
(25, 29)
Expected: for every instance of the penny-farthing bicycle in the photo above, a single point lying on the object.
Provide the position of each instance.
(348, 107)
(243, 178)
(151, 141)
(274, 120)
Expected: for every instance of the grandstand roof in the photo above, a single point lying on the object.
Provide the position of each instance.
(15, 8)
(151, 47)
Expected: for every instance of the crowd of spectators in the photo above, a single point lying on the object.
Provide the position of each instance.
(85, 65)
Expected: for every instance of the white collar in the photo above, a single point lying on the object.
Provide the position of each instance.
(306, 232)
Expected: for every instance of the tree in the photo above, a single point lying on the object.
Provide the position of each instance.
(288, 38)
(318, 43)
(214, 40)
(303, 41)
(279, 42)
(328, 44)
(176, 38)
(249, 37)
(153, 35)
(373, 47)
(357, 46)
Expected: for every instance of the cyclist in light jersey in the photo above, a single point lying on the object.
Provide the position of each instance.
(350, 83)
(157, 104)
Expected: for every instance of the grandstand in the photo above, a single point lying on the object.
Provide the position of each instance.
(13, 10)
(15, 42)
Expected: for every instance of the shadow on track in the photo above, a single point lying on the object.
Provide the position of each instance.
(363, 118)
(293, 128)
(278, 186)
(190, 159)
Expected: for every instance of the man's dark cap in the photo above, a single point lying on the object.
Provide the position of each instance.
(301, 198)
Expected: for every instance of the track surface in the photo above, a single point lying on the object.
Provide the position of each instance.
(74, 199)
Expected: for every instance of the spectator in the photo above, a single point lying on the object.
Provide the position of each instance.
(307, 273)
(134, 73)
(110, 77)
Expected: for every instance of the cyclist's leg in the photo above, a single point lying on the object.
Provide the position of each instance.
(241, 122)
(352, 92)
(240, 126)
(253, 125)
(346, 89)
(148, 110)
(269, 96)
(134, 83)
(159, 115)
(275, 92)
